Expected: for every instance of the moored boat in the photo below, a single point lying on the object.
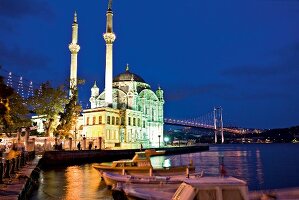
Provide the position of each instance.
(208, 188)
(113, 178)
(141, 165)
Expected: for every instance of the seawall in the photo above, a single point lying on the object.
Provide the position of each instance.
(58, 158)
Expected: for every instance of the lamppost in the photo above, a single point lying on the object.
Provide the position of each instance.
(159, 136)
(75, 137)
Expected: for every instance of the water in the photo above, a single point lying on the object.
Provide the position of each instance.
(263, 166)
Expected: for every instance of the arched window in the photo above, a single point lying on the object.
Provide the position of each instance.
(108, 119)
(129, 121)
(100, 119)
(113, 120)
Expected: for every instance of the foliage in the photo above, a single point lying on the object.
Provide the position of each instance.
(48, 102)
(5, 93)
(69, 117)
(13, 111)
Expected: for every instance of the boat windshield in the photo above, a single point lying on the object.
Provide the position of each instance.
(141, 155)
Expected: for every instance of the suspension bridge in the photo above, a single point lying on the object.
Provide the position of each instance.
(212, 120)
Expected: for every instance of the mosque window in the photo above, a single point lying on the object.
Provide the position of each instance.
(138, 122)
(129, 121)
(143, 124)
(87, 120)
(117, 121)
(122, 121)
(94, 120)
(153, 115)
(100, 119)
(113, 120)
(134, 121)
(108, 119)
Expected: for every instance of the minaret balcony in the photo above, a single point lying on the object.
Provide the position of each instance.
(74, 48)
(109, 37)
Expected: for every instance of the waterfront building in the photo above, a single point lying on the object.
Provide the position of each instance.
(128, 112)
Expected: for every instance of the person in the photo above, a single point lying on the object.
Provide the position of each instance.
(79, 146)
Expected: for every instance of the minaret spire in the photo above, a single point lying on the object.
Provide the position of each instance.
(75, 17)
(109, 38)
(74, 49)
(110, 5)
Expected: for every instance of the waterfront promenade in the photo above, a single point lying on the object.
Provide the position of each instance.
(19, 176)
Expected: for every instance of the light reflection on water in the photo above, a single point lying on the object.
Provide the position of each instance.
(263, 166)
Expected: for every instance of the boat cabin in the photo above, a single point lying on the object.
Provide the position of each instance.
(212, 188)
(139, 160)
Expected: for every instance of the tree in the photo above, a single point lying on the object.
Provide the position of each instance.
(5, 93)
(68, 119)
(14, 113)
(48, 102)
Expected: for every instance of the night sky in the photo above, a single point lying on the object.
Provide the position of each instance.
(242, 55)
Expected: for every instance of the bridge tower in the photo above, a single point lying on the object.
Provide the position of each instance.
(218, 123)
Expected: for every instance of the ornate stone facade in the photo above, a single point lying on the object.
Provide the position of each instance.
(136, 114)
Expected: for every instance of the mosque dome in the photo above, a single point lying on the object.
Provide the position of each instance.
(128, 76)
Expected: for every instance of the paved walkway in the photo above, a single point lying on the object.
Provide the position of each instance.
(12, 188)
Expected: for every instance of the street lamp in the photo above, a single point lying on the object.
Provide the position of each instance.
(159, 140)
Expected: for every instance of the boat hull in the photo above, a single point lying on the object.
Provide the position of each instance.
(112, 179)
(171, 171)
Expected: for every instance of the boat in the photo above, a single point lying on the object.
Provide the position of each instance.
(113, 178)
(141, 165)
(194, 188)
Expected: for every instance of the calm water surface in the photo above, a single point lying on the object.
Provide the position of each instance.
(263, 166)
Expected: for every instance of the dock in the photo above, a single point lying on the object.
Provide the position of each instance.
(71, 157)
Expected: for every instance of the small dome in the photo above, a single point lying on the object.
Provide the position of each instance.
(128, 76)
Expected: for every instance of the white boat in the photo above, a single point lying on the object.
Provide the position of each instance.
(114, 178)
(141, 165)
(207, 188)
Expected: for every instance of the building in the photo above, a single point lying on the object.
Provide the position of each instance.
(128, 112)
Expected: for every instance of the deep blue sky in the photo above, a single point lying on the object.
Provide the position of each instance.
(242, 55)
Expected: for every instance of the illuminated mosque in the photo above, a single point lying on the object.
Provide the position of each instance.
(127, 113)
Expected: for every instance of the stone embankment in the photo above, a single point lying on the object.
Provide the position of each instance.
(19, 173)
(52, 158)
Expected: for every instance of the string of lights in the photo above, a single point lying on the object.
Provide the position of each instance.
(19, 83)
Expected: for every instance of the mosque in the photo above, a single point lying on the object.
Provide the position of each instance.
(128, 112)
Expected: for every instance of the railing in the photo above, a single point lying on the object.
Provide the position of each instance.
(9, 166)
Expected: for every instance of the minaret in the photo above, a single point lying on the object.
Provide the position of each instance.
(74, 48)
(109, 37)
